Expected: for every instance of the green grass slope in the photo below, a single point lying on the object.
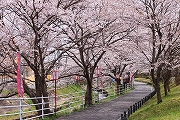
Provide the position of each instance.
(169, 109)
(70, 89)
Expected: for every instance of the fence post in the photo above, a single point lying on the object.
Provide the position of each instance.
(128, 86)
(121, 89)
(135, 106)
(117, 90)
(125, 115)
(94, 98)
(98, 97)
(125, 85)
(140, 103)
(122, 117)
(20, 114)
(53, 107)
(128, 114)
(131, 110)
(109, 94)
(83, 100)
(114, 91)
(42, 104)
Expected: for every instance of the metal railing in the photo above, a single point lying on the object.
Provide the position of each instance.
(69, 102)
(136, 106)
(23, 108)
(111, 91)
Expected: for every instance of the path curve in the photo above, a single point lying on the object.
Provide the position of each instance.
(113, 109)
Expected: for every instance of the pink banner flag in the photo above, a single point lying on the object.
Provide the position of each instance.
(20, 87)
(55, 74)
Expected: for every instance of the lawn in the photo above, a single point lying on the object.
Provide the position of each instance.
(143, 80)
(167, 110)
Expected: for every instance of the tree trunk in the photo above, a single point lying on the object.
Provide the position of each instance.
(88, 96)
(168, 86)
(168, 80)
(45, 94)
(118, 87)
(38, 89)
(31, 94)
(165, 89)
(158, 92)
(157, 86)
(166, 77)
(41, 91)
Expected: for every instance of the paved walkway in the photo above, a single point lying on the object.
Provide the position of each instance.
(111, 110)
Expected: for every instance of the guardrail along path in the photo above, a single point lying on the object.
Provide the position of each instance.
(111, 110)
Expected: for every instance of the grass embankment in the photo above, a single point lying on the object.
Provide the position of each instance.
(148, 81)
(70, 89)
(167, 110)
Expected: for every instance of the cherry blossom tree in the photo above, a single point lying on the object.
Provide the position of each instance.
(154, 20)
(171, 53)
(117, 59)
(93, 31)
(29, 27)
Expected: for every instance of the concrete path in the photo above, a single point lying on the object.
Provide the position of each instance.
(112, 110)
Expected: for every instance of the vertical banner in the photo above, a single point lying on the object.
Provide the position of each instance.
(20, 87)
(55, 75)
